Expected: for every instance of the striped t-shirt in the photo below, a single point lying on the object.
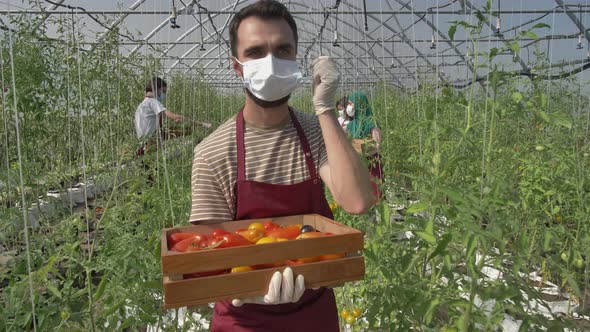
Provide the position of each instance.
(272, 156)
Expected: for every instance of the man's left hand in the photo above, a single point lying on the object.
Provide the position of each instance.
(325, 84)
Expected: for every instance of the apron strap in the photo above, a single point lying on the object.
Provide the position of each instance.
(305, 144)
(241, 147)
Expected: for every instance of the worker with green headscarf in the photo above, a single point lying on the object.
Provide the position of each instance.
(366, 136)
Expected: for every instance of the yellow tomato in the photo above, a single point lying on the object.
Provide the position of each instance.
(281, 239)
(257, 226)
(344, 313)
(298, 226)
(252, 235)
(356, 312)
(266, 240)
(241, 269)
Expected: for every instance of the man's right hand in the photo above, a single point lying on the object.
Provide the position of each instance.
(325, 84)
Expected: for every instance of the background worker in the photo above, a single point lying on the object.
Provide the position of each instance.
(150, 113)
(343, 118)
(271, 160)
(362, 127)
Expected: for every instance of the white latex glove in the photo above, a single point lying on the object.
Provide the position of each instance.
(325, 84)
(283, 288)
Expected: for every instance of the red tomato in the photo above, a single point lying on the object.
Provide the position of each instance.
(232, 240)
(270, 226)
(177, 237)
(289, 232)
(240, 230)
(218, 232)
(195, 240)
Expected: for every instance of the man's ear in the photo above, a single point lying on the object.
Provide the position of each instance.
(237, 67)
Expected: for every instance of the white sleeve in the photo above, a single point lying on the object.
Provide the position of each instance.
(157, 106)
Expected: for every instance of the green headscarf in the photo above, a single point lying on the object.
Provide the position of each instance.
(363, 122)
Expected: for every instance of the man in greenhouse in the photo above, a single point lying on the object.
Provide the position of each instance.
(271, 160)
(149, 114)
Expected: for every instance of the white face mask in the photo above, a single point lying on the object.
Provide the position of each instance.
(350, 110)
(270, 78)
(162, 97)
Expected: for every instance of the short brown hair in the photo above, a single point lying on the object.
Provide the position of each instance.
(155, 84)
(265, 9)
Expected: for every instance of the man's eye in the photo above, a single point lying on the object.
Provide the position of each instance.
(255, 54)
(283, 53)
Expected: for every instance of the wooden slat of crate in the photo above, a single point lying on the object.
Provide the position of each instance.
(346, 239)
(204, 290)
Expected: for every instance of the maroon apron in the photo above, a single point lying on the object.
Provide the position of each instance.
(316, 310)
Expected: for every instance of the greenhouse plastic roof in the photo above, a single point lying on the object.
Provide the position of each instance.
(397, 41)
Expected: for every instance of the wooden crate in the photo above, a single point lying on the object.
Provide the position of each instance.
(179, 292)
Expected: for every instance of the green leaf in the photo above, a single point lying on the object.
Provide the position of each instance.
(100, 289)
(429, 227)
(561, 119)
(51, 287)
(544, 116)
(531, 35)
(427, 237)
(517, 97)
(430, 312)
(493, 53)
(420, 206)
(441, 247)
(472, 244)
(385, 213)
(108, 312)
(515, 47)
(454, 195)
(547, 240)
(541, 25)
(452, 31)
(480, 16)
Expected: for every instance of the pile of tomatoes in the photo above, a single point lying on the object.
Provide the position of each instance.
(256, 233)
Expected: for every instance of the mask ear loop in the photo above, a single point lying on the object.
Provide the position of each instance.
(238, 61)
